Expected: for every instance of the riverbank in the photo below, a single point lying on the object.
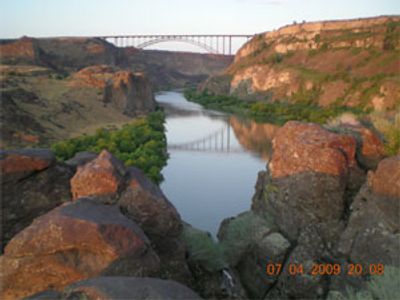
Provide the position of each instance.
(272, 112)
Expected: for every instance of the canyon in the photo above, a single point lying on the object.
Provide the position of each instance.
(95, 227)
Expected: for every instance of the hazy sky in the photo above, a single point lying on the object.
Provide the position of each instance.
(40, 18)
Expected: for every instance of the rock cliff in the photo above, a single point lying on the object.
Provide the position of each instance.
(317, 204)
(349, 62)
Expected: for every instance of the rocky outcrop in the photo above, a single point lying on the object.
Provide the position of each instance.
(73, 242)
(98, 233)
(32, 183)
(130, 93)
(372, 234)
(127, 92)
(328, 63)
(309, 173)
(305, 196)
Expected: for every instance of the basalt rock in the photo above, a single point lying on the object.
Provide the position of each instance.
(130, 93)
(372, 234)
(75, 241)
(80, 159)
(18, 164)
(307, 178)
(31, 185)
(102, 176)
(145, 203)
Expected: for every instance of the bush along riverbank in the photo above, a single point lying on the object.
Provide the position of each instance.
(272, 112)
(141, 143)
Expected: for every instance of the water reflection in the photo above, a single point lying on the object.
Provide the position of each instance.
(214, 161)
(254, 136)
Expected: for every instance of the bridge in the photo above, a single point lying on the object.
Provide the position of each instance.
(218, 141)
(212, 43)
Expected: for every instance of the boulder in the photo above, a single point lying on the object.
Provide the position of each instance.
(370, 147)
(25, 200)
(18, 164)
(80, 159)
(250, 243)
(302, 285)
(372, 233)
(385, 181)
(102, 176)
(308, 178)
(102, 288)
(73, 242)
(305, 147)
(145, 203)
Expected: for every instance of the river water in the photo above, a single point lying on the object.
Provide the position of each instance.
(214, 161)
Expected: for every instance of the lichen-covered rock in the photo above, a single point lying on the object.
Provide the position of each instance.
(302, 285)
(372, 234)
(102, 176)
(73, 242)
(250, 243)
(308, 178)
(305, 147)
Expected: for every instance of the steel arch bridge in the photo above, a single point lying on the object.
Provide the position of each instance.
(218, 141)
(212, 43)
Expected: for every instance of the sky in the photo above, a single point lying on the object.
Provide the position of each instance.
(47, 18)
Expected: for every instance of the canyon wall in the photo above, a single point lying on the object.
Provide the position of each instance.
(349, 62)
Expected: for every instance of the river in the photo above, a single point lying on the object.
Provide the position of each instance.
(214, 161)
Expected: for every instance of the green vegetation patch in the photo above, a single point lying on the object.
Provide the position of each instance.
(390, 129)
(203, 249)
(271, 112)
(141, 143)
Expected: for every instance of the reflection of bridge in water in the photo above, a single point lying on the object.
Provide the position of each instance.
(218, 141)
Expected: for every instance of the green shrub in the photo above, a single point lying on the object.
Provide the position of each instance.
(203, 249)
(390, 129)
(240, 235)
(141, 143)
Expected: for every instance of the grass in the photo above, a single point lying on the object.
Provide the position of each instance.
(141, 143)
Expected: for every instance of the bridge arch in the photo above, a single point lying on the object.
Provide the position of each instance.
(172, 39)
(213, 43)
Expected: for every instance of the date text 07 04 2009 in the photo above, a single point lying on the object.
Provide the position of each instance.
(326, 269)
